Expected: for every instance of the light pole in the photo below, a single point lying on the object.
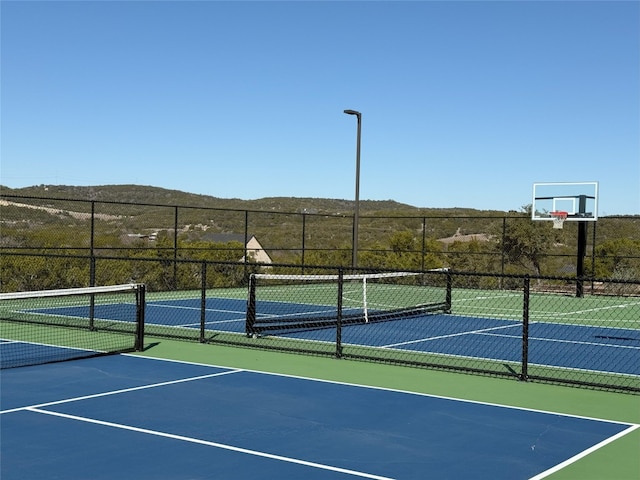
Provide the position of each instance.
(356, 214)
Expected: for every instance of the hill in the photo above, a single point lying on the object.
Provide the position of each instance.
(149, 195)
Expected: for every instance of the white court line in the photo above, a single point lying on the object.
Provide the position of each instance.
(608, 307)
(584, 453)
(545, 314)
(183, 307)
(194, 325)
(210, 444)
(451, 335)
(489, 297)
(631, 426)
(301, 315)
(388, 389)
(124, 390)
(572, 342)
(239, 312)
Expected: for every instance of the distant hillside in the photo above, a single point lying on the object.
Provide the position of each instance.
(160, 196)
(276, 221)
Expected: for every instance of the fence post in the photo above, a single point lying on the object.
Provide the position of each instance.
(175, 248)
(92, 253)
(449, 289)
(524, 371)
(251, 307)
(304, 234)
(244, 243)
(339, 315)
(141, 305)
(502, 252)
(423, 249)
(203, 300)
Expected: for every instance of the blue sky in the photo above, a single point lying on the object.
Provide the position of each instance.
(464, 104)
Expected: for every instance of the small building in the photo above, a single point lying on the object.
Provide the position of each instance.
(251, 243)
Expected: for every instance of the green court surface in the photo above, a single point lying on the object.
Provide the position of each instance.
(614, 310)
(618, 310)
(618, 460)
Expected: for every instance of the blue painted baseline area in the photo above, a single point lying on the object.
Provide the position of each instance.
(609, 350)
(133, 417)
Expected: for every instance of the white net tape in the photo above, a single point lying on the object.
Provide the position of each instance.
(320, 278)
(68, 291)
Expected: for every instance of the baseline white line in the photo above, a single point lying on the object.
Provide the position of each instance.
(197, 308)
(597, 309)
(584, 453)
(451, 335)
(124, 390)
(210, 444)
(388, 389)
(489, 297)
(193, 325)
(572, 342)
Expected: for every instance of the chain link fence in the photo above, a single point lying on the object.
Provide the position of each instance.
(496, 295)
(529, 328)
(507, 244)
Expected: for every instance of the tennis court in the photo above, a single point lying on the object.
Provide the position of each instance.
(572, 335)
(557, 344)
(210, 411)
(132, 417)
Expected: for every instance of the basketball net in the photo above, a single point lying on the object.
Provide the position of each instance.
(558, 219)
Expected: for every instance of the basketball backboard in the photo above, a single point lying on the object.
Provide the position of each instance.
(578, 199)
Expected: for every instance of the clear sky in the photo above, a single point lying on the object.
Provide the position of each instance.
(464, 104)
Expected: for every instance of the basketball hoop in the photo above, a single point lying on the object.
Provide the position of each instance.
(558, 218)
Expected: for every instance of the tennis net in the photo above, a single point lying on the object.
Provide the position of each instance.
(285, 303)
(56, 325)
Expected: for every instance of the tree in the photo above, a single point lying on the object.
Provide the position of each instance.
(526, 242)
(472, 256)
(618, 258)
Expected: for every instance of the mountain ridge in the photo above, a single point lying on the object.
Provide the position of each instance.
(145, 194)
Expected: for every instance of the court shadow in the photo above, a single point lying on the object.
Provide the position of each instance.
(150, 346)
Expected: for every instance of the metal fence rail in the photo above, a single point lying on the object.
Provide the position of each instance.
(185, 232)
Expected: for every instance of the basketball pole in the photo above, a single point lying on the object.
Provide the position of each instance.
(582, 248)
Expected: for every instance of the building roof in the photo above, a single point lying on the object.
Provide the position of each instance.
(227, 237)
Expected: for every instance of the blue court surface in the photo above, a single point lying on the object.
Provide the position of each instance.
(580, 347)
(132, 417)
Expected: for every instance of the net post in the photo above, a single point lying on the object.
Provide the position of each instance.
(251, 307)
(140, 310)
(524, 369)
(92, 310)
(365, 309)
(339, 314)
